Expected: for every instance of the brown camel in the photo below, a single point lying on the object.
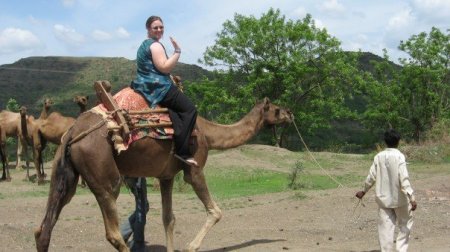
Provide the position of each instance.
(50, 128)
(86, 150)
(10, 123)
(10, 127)
(26, 131)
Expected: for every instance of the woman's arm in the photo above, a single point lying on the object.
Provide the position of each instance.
(162, 63)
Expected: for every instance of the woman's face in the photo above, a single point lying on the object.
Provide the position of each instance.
(156, 30)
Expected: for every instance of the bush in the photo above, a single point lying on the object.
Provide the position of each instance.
(436, 146)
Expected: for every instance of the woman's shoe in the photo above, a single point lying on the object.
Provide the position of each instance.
(189, 161)
(192, 162)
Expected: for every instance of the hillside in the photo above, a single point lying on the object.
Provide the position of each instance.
(32, 79)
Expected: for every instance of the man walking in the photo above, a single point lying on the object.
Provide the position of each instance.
(393, 191)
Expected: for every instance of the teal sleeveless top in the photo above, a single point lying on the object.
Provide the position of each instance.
(150, 82)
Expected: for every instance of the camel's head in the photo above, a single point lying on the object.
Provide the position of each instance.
(47, 103)
(274, 114)
(81, 100)
(23, 111)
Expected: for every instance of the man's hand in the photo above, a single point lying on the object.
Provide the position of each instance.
(413, 205)
(360, 194)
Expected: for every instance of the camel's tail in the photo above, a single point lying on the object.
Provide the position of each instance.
(62, 187)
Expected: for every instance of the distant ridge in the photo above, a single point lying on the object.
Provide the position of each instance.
(31, 79)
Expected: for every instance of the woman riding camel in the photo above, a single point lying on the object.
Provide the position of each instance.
(154, 83)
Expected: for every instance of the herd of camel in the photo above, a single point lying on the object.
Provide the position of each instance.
(49, 127)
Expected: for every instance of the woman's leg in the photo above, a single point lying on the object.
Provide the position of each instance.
(183, 115)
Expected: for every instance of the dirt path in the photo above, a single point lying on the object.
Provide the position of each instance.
(322, 221)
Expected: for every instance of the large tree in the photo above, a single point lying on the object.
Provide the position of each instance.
(280, 59)
(416, 97)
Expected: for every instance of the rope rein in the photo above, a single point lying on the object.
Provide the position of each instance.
(86, 132)
(314, 159)
(358, 203)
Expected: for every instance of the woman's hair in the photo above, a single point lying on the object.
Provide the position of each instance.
(152, 19)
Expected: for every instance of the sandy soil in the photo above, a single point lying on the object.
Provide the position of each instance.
(329, 220)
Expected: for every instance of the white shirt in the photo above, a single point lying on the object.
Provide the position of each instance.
(390, 176)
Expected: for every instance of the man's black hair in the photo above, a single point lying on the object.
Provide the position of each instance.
(392, 138)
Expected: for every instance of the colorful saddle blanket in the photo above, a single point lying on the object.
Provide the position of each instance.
(129, 100)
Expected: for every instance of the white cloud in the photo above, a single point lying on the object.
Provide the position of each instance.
(14, 40)
(68, 35)
(319, 24)
(333, 6)
(122, 33)
(99, 35)
(401, 20)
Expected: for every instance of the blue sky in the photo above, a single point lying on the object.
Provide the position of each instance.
(115, 28)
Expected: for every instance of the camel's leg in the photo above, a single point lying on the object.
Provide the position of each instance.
(196, 178)
(5, 174)
(3, 153)
(37, 151)
(37, 157)
(22, 149)
(62, 188)
(168, 217)
(19, 153)
(107, 203)
(103, 179)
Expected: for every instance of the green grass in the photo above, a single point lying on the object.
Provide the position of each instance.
(240, 183)
(225, 181)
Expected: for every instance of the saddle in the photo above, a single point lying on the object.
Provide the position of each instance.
(128, 116)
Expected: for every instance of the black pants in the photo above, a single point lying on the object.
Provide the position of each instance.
(135, 224)
(183, 115)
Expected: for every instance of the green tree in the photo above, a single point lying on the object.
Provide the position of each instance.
(426, 79)
(12, 105)
(282, 59)
(416, 97)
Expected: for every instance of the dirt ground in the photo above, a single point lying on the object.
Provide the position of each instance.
(328, 220)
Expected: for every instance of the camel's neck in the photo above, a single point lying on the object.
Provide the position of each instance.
(228, 136)
(23, 125)
(44, 113)
(82, 108)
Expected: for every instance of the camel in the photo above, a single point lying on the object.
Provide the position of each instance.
(87, 150)
(10, 127)
(27, 124)
(50, 128)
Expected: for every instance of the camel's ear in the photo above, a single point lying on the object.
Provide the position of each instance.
(266, 102)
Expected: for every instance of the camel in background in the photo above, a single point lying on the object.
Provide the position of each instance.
(29, 134)
(27, 125)
(49, 128)
(10, 125)
(87, 150)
